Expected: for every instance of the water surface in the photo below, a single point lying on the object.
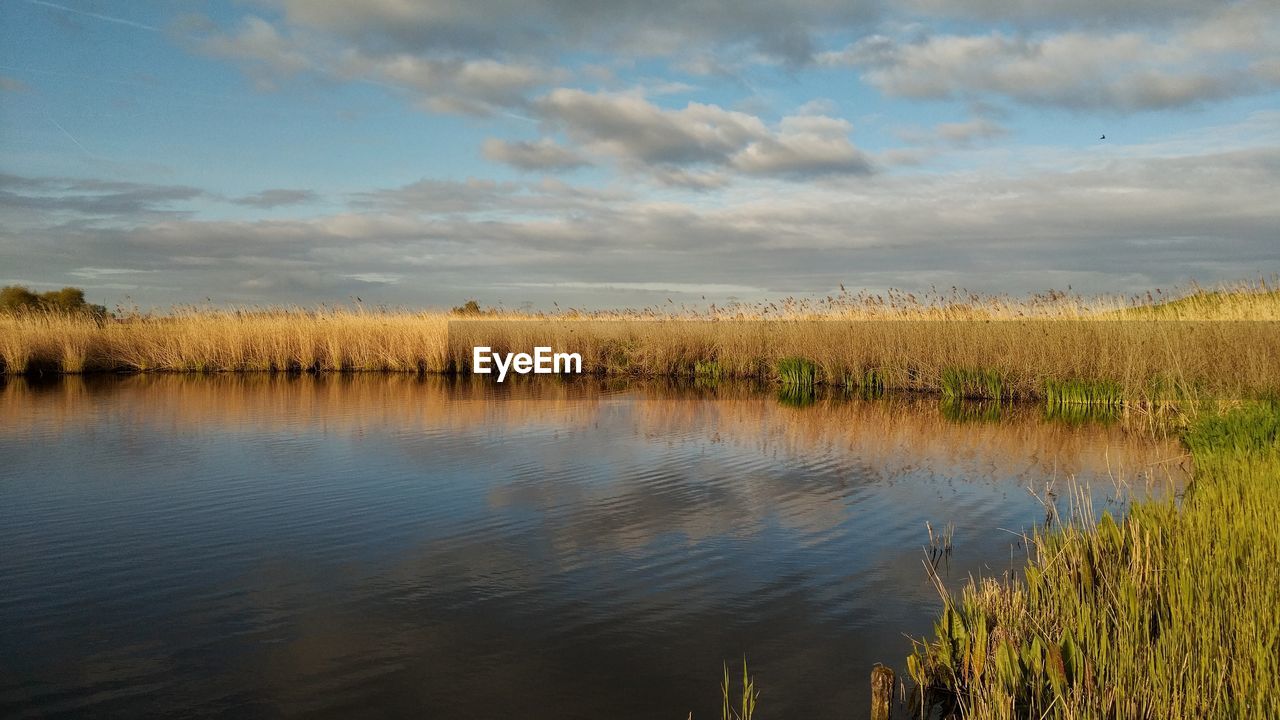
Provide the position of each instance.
(396, 547)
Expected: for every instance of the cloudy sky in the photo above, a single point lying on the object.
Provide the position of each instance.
(611, 153)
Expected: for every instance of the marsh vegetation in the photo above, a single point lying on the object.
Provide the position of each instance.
(1063, 349)
(1170, 611)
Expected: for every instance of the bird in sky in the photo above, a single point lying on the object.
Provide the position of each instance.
(1104, 137)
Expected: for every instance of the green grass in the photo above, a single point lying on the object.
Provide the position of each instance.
(1078, 391)
(1171, 612)
(971, 384)
(797, 372)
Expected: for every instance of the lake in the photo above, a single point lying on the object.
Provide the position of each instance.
(387, 546)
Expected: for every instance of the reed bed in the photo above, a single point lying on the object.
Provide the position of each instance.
(1052, 347)
(1171, 612)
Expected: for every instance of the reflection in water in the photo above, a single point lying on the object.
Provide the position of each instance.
(374, 546)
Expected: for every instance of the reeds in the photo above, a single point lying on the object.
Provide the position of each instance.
(973, 348)
(971, 384)
(1171, 612)
(797, 373)
(748, 697)
(1075, 392)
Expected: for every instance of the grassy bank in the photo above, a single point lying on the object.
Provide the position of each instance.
(1063, 350)
(1171, 612)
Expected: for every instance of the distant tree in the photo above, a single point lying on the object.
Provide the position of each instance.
(470, 307)
(68, 299)
(14, 298)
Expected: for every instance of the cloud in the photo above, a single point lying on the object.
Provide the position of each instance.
(804, 146)
(436, 196)
(445, 84)
(1224, 55)
(376, 278)
(452, 85)
(96, 273)
(926, 143)
(539, 155)
(782, 30)
(673, 144)
(967, 132)
(267, 55)
(90, 197)
(1113, 219)
(268, 199)
(1100, 13)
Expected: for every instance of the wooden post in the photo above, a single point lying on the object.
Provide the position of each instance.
(881, 692)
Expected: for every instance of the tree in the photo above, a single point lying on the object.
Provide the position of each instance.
(470, 307)
(68, 299)
(16, 298)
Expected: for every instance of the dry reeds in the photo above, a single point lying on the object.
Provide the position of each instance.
(1206, 343)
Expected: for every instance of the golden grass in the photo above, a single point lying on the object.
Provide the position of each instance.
(1219, 343)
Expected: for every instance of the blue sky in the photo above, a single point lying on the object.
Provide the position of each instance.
(620, 153)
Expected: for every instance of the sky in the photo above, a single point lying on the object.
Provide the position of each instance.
(623, 153)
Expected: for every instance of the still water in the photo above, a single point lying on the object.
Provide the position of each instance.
(394, 547)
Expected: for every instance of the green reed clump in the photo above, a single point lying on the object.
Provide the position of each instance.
(1079, 391)
(1171, 612)
(972, 383)
(797, 372)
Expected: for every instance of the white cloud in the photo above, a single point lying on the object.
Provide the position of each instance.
(543, 155)
(1223, 55)
(268, 55)
(682, 145)
(453, 84)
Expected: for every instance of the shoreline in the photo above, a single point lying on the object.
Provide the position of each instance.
(1142, 363)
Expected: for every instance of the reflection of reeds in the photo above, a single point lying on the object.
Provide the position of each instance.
(791, 395)
(962, 411)
(898, 434)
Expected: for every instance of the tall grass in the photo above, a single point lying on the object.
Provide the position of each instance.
(1171, 612)
(971, 347)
